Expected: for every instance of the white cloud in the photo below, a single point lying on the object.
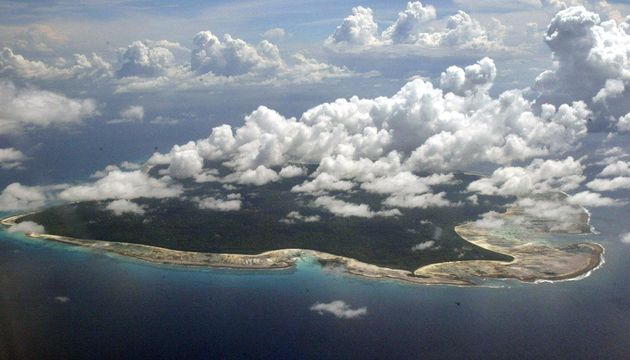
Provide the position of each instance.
(410, 22)
(134, 113)
(591, 199)
(364, 137)
(62, 299)
(342, 166)
(80, 67)
(405, 182)
(625, 238)
(124, 206)
(26, 108)
(217, 62)
(554, 214)
(619, 167)
(323, 182)
(559, 215)
(475, 77)
(126, 165)
(346, 209)
(38, 37)
(146, 58)
(620, 182)
(412, 28)
(623, 124)
(27, 227)
(165, 120)
(184, 162)
(592, 63)
(259, 176)
(233, 203)
(290, 171)
(423, 246)
(339, 309)
(274, 33)
(295, 217)
(151, 65)
(230, 56)
(359, 28)
(11, 158)
(539, 176)
(122, 185)
(417, 201)
(490, 220)
(19, 197)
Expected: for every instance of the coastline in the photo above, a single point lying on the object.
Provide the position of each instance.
(533, 262)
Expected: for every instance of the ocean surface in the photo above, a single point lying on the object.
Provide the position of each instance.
(64, 302)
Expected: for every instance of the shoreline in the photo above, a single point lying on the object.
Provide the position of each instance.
(532, 263)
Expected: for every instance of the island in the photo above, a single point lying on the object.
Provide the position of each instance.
(440, 245)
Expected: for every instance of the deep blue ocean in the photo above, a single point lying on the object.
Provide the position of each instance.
(64, 302)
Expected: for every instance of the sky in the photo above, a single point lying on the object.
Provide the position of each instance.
(377, 94)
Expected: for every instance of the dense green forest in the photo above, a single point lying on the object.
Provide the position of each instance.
(257, 227)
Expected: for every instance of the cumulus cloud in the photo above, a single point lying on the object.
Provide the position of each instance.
(27, 227)
(423, 246)
(134, 113)
(438, 130)
(230, 56)
(559, 216)
(258, 176)
(553, 214)
(146, 58)
(184, 162)
(11, 158)
(611, 184)
(591, 63)
(218, 61)
(346, 209)
(490, 220)
(539, 176)
(625, 238)
(417, 200)
(623, 123)
(295, 217)
(323, 182)
(122, 185)
(149, 65)
(20, 197)
(359, 28)
(409, 22)
(232, 203)
(403, 182)
(38, 37)
(618, 167)
(126, 165)
(339, 309)
(591, 199)
(26, 108)
(79, 67)
(411, 27)
(124, 206)
(274, 33)
(290, 171)
(477, 77)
